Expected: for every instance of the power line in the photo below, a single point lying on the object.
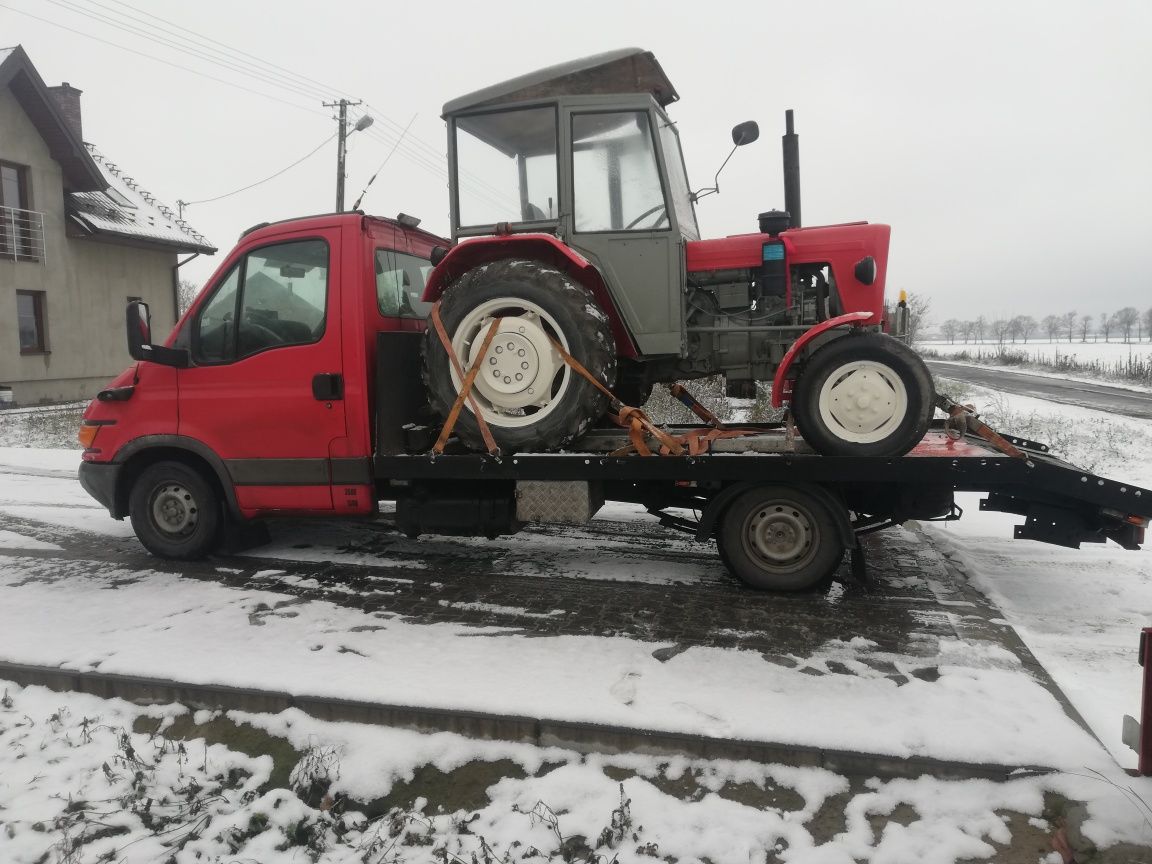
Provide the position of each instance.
(372, 179)
(160, 60)
(265, 180)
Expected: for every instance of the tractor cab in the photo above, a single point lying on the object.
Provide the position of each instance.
(585, 152)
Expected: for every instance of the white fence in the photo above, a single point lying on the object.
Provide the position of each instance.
(21, 234)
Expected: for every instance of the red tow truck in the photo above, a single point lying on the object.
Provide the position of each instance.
(293, 387)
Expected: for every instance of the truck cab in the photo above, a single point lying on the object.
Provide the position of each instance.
(266, 387)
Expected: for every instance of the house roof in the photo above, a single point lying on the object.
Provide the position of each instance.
(100, 200)
(21, 77)
(625, 70)
(124, 210)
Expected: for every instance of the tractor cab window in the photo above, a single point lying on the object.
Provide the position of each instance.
(678, 188)
(506, 167)
(400, 282)
(615, 173)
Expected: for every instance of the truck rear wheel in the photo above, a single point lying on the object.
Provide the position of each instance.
(864, 394)
(780, 538)
(530, 398)
(175, 512)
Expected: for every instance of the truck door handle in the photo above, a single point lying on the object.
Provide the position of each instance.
(327, 386)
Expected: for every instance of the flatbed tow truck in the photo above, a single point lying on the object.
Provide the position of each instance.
(314, 407)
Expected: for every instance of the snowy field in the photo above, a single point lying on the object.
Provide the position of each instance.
(1079, 612)
(1086, 352)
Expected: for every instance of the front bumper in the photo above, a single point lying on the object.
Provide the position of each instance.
(100, 480)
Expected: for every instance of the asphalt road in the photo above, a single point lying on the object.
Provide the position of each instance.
(1101, 397)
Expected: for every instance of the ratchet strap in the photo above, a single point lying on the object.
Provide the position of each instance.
(465, 387)
(966, 415)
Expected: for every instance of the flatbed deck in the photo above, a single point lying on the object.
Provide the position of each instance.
(1062, 504)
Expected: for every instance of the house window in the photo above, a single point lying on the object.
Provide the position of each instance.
(19, 229)
(30, 319)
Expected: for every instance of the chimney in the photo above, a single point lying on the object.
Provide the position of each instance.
(68, 101)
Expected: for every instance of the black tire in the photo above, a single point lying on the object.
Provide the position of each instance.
(891, 366)
(175, 511)
(780, 538)
(576, 403)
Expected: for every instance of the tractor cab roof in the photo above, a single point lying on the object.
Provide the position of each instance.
(625, 70)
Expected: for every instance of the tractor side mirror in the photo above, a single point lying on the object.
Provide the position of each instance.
(742, 133)
(138, 322)
(745, 133)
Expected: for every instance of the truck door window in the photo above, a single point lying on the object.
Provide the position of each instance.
(400, 282)
(274, 297)
(615, 175)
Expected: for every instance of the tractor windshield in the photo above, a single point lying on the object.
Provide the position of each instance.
(506, 167)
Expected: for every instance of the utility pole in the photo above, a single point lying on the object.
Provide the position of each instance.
(342, 142)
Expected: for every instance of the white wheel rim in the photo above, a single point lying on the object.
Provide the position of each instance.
(174, 510)
(863, 402)
(522, 377)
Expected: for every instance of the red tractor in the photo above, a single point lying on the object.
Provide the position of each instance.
(574, 224)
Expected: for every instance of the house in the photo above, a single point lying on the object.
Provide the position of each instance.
(79, 237)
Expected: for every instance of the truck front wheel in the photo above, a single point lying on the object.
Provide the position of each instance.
(528, 395)
(864, 394)
(780, 538)
(175, 512)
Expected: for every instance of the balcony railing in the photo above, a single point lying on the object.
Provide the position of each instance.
(21, 234)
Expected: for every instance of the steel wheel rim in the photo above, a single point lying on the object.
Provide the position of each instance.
(863, 401)
(780, 535)
(174, 510)
(521, 348)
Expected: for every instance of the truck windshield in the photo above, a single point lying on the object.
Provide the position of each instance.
(506, 167)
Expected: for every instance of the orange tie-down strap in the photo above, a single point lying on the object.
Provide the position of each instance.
(639, 425)
(466, 386)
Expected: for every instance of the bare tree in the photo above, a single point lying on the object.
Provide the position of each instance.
(1106, 324)
(1001, 327)
(978, 328)
(1148, 322)
(1014, 327)
(185, 293)
(1127, 319)
(1025, 326)
(1085, 327)
(1068, 323)
(949, 329)
(1051, 326)
(918, 306)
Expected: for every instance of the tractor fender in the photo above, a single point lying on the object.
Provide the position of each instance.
(719, 502)
(538, 247)
(780, 378)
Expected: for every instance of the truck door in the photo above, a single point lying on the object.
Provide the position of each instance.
(265, 391)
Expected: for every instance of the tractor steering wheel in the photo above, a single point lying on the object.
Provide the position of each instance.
(663, 217)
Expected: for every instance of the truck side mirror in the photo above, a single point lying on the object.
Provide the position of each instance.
(138, 322)
(745, 133)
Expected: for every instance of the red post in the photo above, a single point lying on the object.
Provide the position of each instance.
(1145, 750)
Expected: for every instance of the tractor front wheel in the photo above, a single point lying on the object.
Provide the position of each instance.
(864, 394)
(529, 396)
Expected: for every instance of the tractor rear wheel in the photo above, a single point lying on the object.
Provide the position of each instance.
(864, 394)
(530, 398)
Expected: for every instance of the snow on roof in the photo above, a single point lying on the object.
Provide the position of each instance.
(127, 210)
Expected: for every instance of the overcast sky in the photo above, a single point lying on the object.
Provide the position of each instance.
(1009, 144)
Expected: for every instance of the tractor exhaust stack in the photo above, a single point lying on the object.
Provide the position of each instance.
(791, 143)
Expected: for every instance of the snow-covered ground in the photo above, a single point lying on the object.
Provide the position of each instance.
(85, 780)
